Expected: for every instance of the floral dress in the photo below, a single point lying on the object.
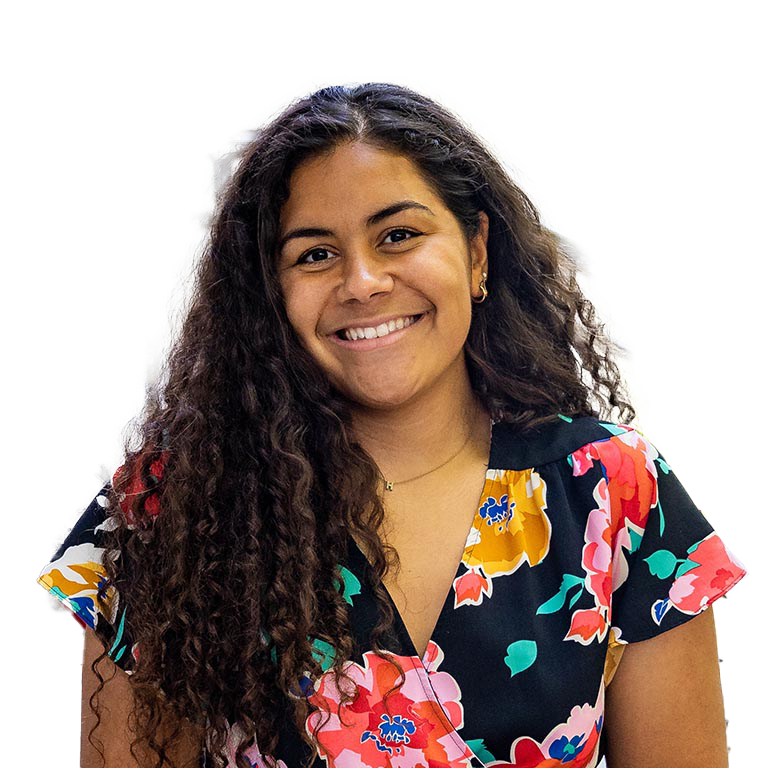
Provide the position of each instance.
(584, 540)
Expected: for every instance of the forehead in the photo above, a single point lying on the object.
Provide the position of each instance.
(350, 180)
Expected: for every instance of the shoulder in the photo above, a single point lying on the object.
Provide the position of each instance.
(564, 439)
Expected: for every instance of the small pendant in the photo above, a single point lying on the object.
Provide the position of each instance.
(389, 486)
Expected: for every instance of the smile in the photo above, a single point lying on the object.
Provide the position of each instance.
(380, 336)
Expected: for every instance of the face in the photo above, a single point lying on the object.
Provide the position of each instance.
(367, 245)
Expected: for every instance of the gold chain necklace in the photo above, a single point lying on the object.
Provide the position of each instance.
(390, 485)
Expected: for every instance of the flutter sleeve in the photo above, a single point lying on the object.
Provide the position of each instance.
(668, 563)
(75, 574)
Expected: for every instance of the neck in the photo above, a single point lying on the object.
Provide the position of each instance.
(417, 436)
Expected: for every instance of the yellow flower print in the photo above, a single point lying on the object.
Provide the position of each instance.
(511, 527)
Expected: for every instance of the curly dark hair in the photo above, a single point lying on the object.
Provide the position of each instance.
(246, 448)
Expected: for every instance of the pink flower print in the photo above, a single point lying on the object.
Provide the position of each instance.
(470, 588)
(716, 570)
(627, 460)
(253, 754)
(597, 562)
(631, 477)
(582, 461)
(445, 687)
(411, 729)
(597, 554)
(433, 656)
(573, 743)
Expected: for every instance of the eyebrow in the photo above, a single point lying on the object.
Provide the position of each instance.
(374, 218)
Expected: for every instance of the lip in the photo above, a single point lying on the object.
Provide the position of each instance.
(363, 345)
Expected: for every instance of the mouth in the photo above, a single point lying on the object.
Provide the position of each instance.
(377, 341)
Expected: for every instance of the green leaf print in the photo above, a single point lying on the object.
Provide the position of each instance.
(666, 470)
(575, 598)
(693, 547)
(481, 751)
(635, 539)
(614, 429)
(684, 567)
(323, 653)
(351, 584)
(661, 518)
(661, 563)
(520, 656)
(116, 651)
(557, 601)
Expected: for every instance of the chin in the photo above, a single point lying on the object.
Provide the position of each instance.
(381, 401)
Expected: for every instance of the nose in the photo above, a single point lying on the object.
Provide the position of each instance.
(365, 273)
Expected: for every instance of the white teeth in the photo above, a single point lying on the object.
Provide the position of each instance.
(353, 334)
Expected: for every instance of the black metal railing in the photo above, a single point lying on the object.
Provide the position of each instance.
(54, 148)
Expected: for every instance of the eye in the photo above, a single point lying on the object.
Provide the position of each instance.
(304, 258)
(410, 232)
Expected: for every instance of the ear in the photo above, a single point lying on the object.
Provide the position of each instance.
(478, 253)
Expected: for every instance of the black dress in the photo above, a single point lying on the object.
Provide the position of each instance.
(584, 540)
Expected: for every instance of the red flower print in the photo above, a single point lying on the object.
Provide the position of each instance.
(410, 729)
(136, 486)
(470, 588)
(716, 571)
(627, 461)
(573, 743)
(586, 625)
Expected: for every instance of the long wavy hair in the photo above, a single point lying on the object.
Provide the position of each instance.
(250, 482)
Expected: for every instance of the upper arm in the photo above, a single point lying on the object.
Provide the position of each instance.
(665, 704)
(115, 702)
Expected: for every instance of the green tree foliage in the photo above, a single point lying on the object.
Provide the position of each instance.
(680, 170)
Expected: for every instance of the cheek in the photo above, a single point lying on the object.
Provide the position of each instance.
(297, 319)
(303, 313)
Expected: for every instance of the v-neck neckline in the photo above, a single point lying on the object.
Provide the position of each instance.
(399, 623)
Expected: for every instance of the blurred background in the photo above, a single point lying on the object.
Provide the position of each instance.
(637, 129)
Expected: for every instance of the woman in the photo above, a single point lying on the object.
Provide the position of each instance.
(381, 376)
